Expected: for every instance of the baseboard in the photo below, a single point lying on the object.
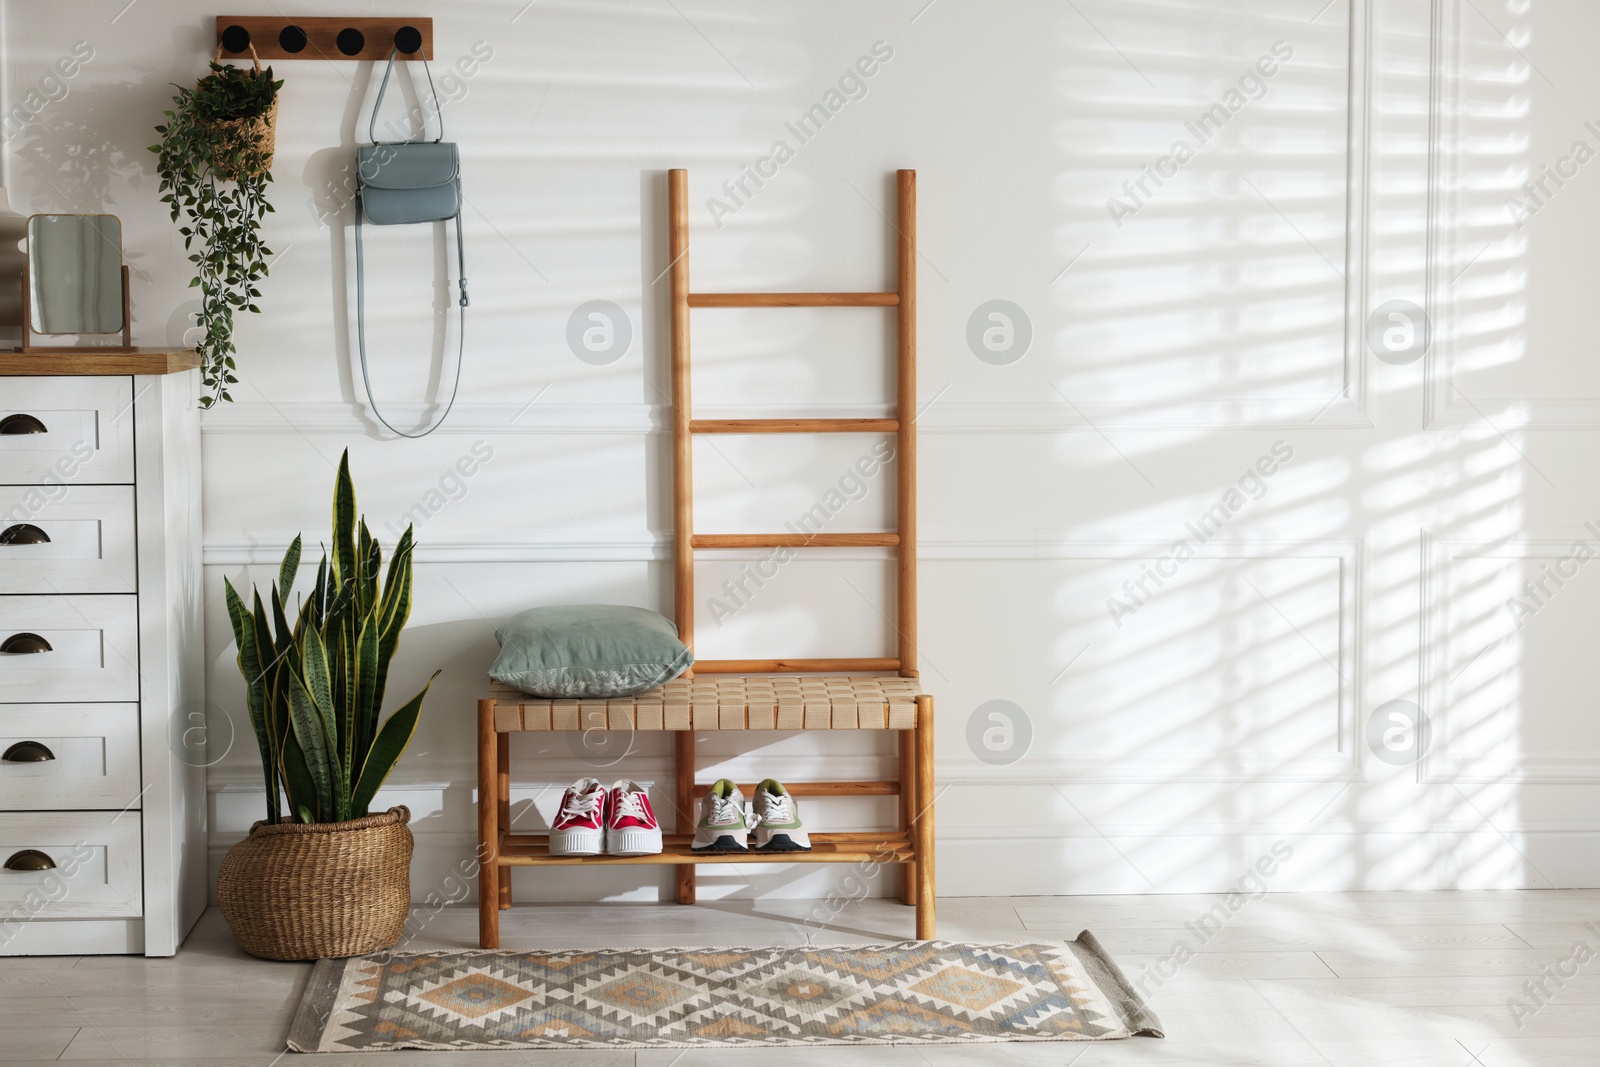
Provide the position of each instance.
(75, 937)
(1073, 862)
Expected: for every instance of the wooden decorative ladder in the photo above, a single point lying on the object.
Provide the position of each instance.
(775, 694)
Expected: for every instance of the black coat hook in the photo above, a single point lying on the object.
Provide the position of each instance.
(293, 39)
(236, 39)
(351, 41)
(408, 39)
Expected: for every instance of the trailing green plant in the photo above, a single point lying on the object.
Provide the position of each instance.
(214, 161)
(315, 688)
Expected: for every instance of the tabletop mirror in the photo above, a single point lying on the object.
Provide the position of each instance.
(75, 274)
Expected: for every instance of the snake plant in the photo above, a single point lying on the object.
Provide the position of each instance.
(315, 689)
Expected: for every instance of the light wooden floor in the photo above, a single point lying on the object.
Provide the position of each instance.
(1393, 979)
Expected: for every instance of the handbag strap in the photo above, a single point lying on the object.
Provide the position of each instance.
(372, 123)
(361, 268)
(361, 328)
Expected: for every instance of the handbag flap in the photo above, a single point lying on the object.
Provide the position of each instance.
(409, 165)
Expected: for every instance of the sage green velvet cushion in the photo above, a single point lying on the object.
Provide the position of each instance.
(588, 650)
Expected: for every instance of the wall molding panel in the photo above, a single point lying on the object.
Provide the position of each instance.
(1232, 765)
(467, 419)
(1448, 258)
(1441, 762)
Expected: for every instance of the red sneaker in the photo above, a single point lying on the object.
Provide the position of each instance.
(579, 828)
(631, 827)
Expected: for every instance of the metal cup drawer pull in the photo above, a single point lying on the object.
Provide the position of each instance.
(20, 423)
(23, 533)
(23, 643)
(30, 859)
(28, 752)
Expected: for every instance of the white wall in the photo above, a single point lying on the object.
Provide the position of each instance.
(1225, 314)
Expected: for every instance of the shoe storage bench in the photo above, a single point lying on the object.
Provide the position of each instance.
(867, 693)
(720, 703)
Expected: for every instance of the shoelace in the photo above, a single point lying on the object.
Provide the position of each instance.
(631, 804)
(778, 809)
(724, 810)
(577, 805)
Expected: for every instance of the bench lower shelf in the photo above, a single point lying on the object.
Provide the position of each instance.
(530, 850)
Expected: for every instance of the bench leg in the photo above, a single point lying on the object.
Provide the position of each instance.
(908, 810)
(924, 825)
(488, 828)
(683, 752)
(503, 794)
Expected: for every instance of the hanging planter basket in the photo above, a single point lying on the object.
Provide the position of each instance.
(214, 160)
(311, 891)
(244, 147)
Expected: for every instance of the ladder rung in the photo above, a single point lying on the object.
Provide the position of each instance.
(794, 300)
(793, 666)
(803, 540)
(794, 426)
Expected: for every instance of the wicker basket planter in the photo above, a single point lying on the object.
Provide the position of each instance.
(241, 134)
(238, 136)
(299, 891)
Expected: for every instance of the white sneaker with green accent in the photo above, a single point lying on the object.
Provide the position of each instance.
(778, 827)
(722, 827)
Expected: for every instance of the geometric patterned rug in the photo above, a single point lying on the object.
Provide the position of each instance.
(908, 992)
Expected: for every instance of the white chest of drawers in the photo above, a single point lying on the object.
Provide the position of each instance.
(102, 747)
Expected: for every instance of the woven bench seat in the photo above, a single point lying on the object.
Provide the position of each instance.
(723, 702)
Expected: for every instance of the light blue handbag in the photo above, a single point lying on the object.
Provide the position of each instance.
(400, 182)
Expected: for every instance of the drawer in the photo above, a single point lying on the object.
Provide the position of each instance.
(69, 756)
(90, 866)
(67, 539)
(82, 431)
(92, 654)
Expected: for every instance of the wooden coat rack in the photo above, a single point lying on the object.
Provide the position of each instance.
(323, 37)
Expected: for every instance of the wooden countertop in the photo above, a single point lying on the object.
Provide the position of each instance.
(85, 361)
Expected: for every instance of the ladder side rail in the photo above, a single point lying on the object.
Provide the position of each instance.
(906, 414)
